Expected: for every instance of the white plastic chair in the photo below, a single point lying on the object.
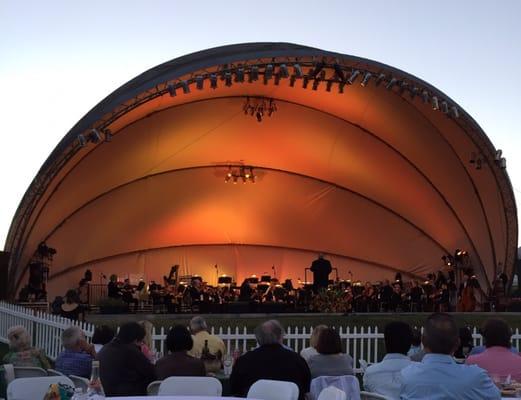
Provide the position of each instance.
(153, 388)
(372, 396)
(33, 388)
(346, 383)
(190, 386)
(332, 393)
(266, 389)
(80, 382)
(53, 372)
(363, 364)
(29, 372)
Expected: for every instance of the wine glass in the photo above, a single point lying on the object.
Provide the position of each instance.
(227, 363)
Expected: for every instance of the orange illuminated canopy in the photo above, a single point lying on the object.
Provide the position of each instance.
(258, 156)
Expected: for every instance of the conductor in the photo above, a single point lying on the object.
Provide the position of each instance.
(321, 269)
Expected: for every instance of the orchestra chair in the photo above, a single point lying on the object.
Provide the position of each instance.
(347, 383)
(80, 382)
(190, 386)
(372, 396)
(153, 388)
(29, 372)
(332, 393)
(266, 389)
(33, 388)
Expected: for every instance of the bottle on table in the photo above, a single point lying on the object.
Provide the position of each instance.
(95, 390)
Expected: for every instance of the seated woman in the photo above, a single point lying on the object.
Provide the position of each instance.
(21, 354)
(178, 362)
(330, 361)
(71, 308)
(498, 360)
(102, 335)
(311, 351)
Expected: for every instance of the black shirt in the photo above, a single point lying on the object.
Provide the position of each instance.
(124, 369)
(269, 362)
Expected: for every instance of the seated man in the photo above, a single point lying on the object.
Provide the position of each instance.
(497, 359)
(438, 376)
(269, 361)
(384, 377)
(124, 369)
(77, 357)
(200, 334)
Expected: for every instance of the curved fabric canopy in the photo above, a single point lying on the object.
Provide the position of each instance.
(361, 161)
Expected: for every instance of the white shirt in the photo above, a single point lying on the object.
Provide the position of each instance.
(308, 352)
(384, 377)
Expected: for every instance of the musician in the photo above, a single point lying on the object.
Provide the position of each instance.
(396, 297)
(369, 296)
(386, 293)
(128, 294)
(467, 299)
(246, 291)
(321, 269)
(416, 294)
(443, 298)
(113, 288)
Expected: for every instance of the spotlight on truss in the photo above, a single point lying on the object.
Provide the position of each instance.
(185, 86)
(171, 89)
(365, 80)
(353, 76)
(199, 82)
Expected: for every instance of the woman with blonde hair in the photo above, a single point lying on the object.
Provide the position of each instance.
(311, 351)
(147, 345)
(21, 354)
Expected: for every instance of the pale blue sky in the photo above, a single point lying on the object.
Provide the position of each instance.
(59, 58)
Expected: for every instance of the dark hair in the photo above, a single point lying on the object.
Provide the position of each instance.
(416, 337)
(130, 332)
(329, 342)
(102, 334)
(179, 339)
(465, 336)
(440, 334)
(72, 296)
(398, 337)
(496, 332)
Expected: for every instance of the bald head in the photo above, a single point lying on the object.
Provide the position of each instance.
(440, 334)
(270, 332)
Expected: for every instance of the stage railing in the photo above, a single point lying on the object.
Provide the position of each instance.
(364, 343)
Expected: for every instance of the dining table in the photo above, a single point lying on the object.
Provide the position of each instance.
(176, 398)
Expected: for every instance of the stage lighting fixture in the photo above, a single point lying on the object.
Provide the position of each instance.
(365, 81)
(315, 84)
(391, 83)
(292, 81)
(498, 155)
(268, 73)
(339, 73)
(414, 91)
(353, 76)
(259, 114)
(277, 79)
(254, 73)
(235, 180)
(444, 107)
(108, 135)
(455, 112)
(425, 96)
(434, 103)
(81, 140)
(380, 79)
(228, 78)
(403, 87)
(94, 135)
(328, 85)
(239, 75)
(318, 67)
(199, 82)
(341, 87)
(305, 82)
(503, 163)
(213, 81)
(184, 85)
(297, 70)
(283, 71)
(171, 89)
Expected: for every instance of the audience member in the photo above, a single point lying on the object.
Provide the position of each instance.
(310, 351)
(71, 307)
(20, 353)
(102, 335)
(438, 376)
(124, 369)
(384, 377)
(178, 362)
(147, 345)
(77, 357)
(415, 343)
(201, 335)
(465, 344)
(497, 359)
(269, 361)
(330, 361)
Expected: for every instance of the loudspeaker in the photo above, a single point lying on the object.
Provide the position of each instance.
(4, 263)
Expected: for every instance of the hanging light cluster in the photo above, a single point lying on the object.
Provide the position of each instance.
(259, 107)
(240, 173)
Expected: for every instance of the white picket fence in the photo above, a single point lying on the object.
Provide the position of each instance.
(360, 342)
